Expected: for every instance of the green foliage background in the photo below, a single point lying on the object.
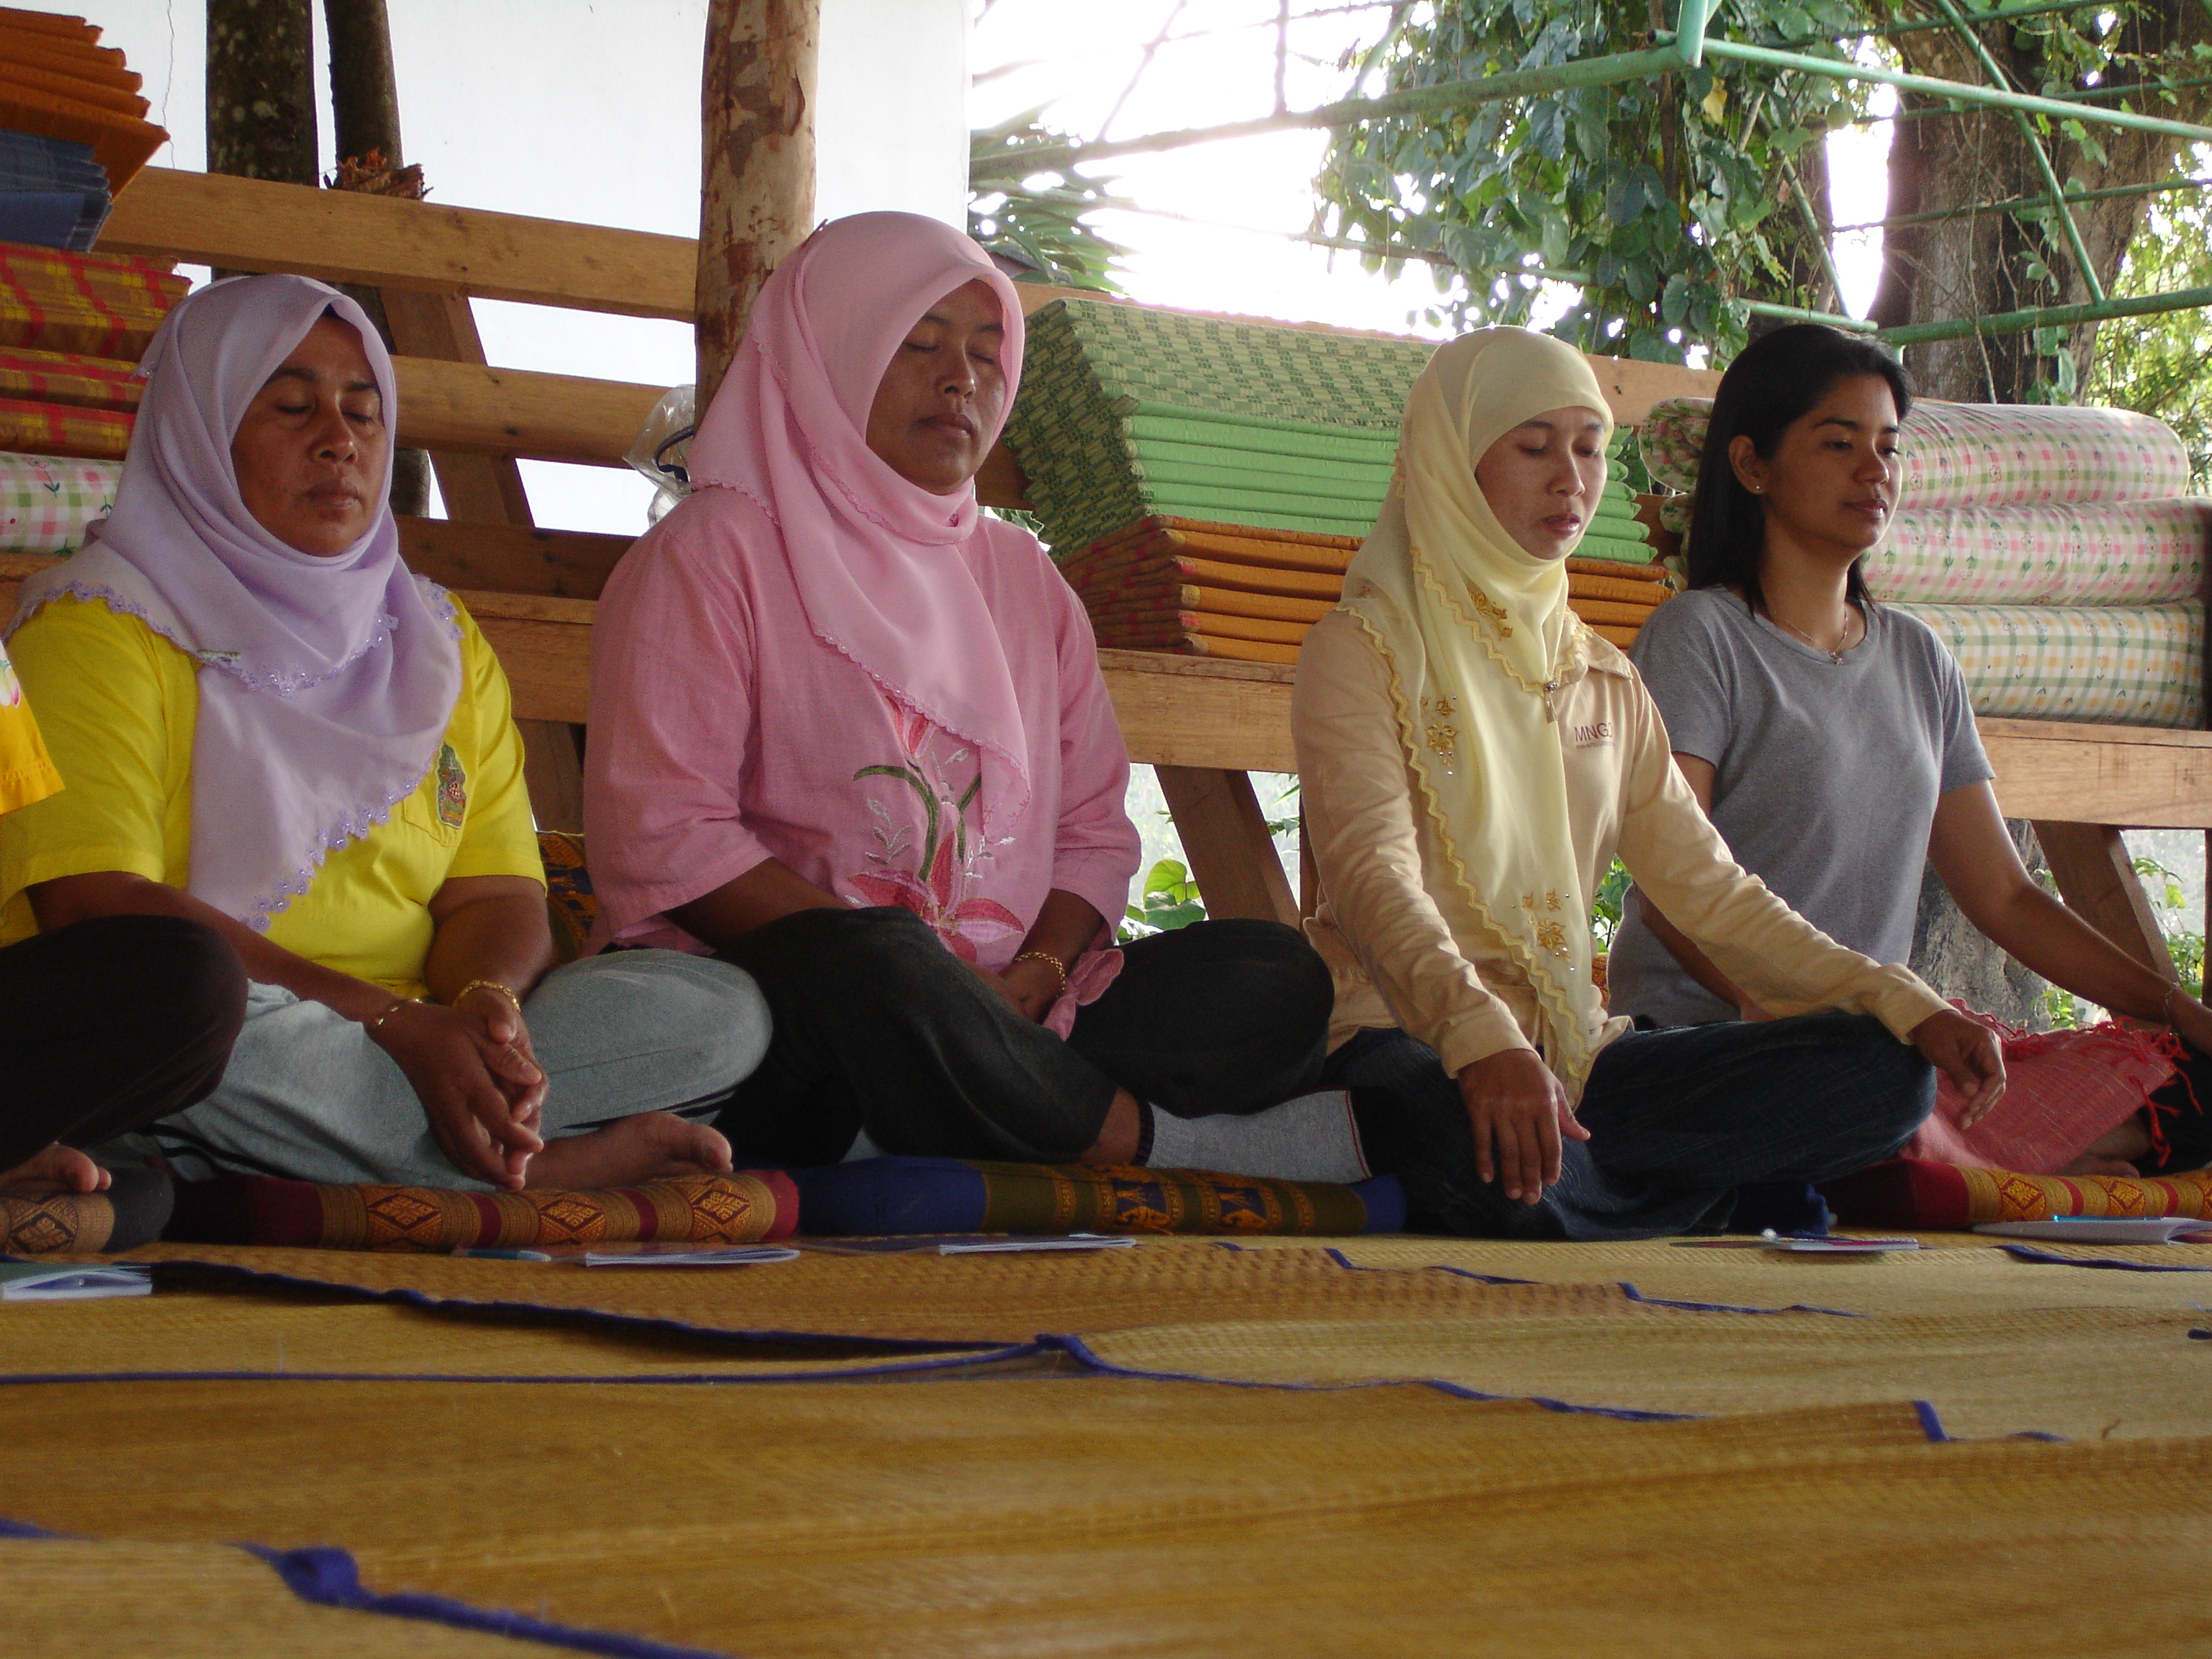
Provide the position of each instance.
(1672, 198)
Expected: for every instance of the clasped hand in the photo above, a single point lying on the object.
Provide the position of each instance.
(480, 1087)
(1965, 1051)
(1519, 1113)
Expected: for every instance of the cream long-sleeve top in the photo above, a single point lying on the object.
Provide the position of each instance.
(1388, 945)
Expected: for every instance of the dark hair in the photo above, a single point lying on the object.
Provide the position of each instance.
(1775, 381)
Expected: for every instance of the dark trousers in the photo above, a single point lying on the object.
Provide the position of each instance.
(108, 1025)
(878, 1026)
(2186, 1120)
(1679, 1120)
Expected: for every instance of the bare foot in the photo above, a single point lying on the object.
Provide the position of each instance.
(651, 1146)
(2114, 1153)
(58, 1169)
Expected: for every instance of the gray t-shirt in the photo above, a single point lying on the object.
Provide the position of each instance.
(1826, 780)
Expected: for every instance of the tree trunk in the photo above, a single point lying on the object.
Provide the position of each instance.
(1978, 265)
(757, 178)
(365, 126)
(1942, 160)
(261, 89)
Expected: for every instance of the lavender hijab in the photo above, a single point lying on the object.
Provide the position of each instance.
(326, 683)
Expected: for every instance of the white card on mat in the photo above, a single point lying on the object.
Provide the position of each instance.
(2102, 1229)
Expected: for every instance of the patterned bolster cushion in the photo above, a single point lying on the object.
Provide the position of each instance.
(2128, 665)
(2108, 553)
(1979, 454)
(48, 501)
(1911, 1192)
(900, 1196)
(744, 1208)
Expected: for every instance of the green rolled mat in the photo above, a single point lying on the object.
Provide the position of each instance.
(1199, 469)
(1125, 412)
(1261, 513)
(1620, 552)
(1273, 437)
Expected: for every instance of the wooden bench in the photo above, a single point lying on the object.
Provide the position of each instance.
(1205, 726)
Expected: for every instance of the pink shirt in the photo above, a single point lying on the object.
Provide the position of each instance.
(725, 734)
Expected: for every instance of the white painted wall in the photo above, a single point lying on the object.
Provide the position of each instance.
(890, 108)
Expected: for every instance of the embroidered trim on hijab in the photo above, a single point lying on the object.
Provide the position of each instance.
(877, 560)
(326, 683)
(1478, 636)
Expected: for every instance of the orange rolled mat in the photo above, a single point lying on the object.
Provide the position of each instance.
(1649, 595)
(1164, 627)
(1609, 611)
(1222, 601)
(1089, 579)
(1634, 573)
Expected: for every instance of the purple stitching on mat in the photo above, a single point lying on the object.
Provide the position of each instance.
(886, 1344)
(1627, 1289)
(2029, 1253)
(329, 1577)
(1077, 1349)
(2200, 1336)
(27, 1529)
(1931, 1425)
(946, 1362)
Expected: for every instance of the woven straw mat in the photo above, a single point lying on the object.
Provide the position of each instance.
(1032, 1518)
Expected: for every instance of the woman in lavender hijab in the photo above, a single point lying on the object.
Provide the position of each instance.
(267, 725)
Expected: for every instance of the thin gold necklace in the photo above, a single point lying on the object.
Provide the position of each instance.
(1834, 652)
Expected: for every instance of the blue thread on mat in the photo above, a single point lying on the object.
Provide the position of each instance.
(868, 1373)
(1930, 1424)
(329, 1577)
(1075, 1348)
(1626, 1289)
(886, 1344)
(2029, 1253)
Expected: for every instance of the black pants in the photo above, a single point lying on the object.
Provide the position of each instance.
(2187, 1121)
(1678, 1121)
(108, 1025)
(878, 1026)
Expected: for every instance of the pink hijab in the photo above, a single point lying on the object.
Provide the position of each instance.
(326, 683)
(877, 561)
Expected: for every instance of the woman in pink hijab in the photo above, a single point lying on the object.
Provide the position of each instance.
(849, 733)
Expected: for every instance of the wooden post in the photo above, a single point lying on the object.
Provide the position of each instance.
(365, 125)
(261, 90)
(756, 154)
(1224, 836)
(2097, 880)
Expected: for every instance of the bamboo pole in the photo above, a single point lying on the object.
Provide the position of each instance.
(756, 173)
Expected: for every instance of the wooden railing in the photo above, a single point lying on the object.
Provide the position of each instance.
(1205, 725)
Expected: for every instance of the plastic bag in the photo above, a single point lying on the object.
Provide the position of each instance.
(662, 448)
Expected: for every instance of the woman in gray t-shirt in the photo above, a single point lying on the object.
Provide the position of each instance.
(1831, 740)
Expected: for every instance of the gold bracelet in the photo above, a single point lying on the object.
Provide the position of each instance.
(507, 991)
(372, 1026)
(1058, 966)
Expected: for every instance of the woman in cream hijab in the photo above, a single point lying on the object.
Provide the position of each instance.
(1472, 760)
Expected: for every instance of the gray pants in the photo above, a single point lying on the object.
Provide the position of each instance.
(309, 1097)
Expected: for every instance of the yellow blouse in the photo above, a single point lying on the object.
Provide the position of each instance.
(1393, 957)
(26, 772)
(120, 706)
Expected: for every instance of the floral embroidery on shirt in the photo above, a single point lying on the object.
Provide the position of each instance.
(453, 788)
(1550, 935)
(1443, 736)
(936, 885)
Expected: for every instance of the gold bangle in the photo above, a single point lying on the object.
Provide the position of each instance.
(507, 991)
(1057, 965)
(372, 1026)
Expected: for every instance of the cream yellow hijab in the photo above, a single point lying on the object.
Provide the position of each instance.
(1478, 636)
